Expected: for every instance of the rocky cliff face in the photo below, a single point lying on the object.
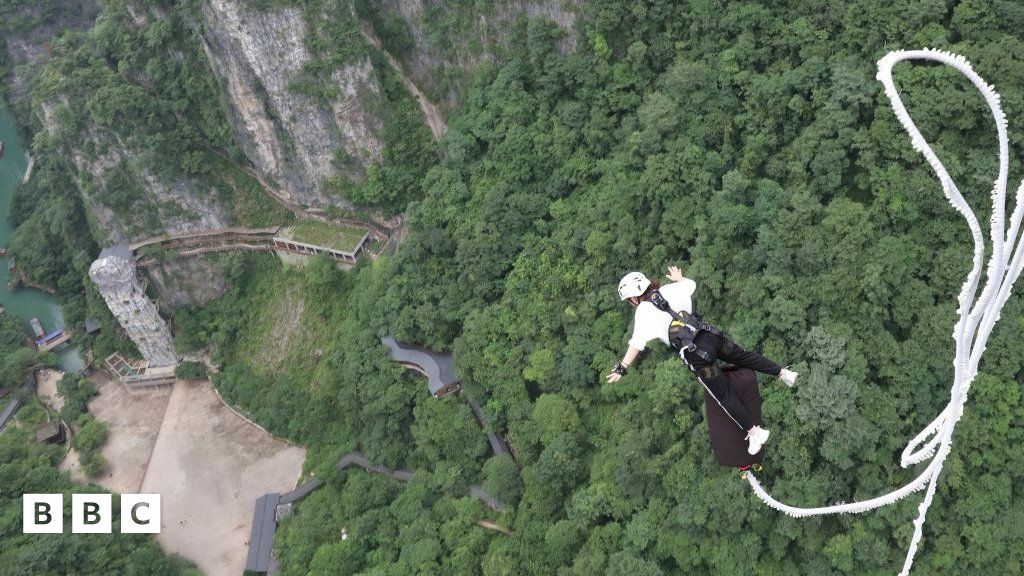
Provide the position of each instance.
(441, 50)
(290, 137)
(172, 206)
(187, 282)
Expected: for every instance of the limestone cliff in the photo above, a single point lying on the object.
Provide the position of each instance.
(106, 167)
(188, 282)
(290, 137)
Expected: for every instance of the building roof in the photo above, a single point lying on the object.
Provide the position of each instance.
(48, 431)
(261, 537)
(119, 250)
(313, 233)
(439, 368)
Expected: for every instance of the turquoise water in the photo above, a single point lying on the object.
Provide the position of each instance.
(25, 303)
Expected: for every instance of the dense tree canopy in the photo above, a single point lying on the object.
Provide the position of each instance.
(747, 143)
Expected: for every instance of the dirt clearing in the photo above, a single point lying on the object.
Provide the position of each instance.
(209, 466)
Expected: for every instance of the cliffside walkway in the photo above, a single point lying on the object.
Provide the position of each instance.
(439, 368)
(266, 511)
(198, 242)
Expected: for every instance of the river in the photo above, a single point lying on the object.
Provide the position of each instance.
(25, 303)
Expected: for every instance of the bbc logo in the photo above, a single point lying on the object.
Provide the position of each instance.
(90, 513)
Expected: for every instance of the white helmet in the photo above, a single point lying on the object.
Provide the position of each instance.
(633, 284)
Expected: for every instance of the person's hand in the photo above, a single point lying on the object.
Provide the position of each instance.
(613, 377)
(675, 274)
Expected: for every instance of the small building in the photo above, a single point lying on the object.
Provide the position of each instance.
(261, 535)
(439, 368)
(50, 433)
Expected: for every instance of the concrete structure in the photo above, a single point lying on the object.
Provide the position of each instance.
(138, 373)
(437, 367)
(28, 386)
(284, 244)
(114, 274)
(50, 432)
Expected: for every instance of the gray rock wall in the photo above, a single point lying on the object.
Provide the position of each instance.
(431, 62)
(114, 275)
(187, 282)
(256, 55)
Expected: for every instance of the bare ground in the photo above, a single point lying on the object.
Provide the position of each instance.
(133, 421)
(46, 388)
(209, 466)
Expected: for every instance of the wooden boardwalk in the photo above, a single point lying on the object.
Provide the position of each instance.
(196, 243)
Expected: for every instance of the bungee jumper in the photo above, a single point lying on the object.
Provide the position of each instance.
(666, 313)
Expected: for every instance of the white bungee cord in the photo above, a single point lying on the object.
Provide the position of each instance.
(974, 325)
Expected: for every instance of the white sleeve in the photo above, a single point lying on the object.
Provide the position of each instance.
(641, 331)
(687, 286)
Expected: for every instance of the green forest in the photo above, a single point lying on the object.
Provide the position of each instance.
(747, 142)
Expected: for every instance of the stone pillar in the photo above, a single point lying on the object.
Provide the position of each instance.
(114, 274)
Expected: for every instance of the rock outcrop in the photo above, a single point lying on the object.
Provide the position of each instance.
(114, 275)
(187, 282)
(289, 136)
(177, 205)
(25, 43)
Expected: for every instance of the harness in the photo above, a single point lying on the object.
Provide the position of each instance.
(684, 328)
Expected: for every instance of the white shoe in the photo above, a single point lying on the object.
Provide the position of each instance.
(788, 377)
(757, 437)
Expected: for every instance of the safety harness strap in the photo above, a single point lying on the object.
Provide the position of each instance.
(684, 328)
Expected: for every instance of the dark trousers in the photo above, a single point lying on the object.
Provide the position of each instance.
(710, 373)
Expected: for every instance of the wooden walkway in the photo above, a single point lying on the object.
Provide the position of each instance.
(196, 243)
(201, 237)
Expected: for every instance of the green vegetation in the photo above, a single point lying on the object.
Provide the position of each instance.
(89, 434)
(753, 147)
(15, 357)
(190, 370)
(334, 41)
(321, 234)
(747, 143)
(88, 442)
(28, 467)
(19, 15)
(144, 92)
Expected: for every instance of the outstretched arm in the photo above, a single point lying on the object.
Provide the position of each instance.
(627, 361)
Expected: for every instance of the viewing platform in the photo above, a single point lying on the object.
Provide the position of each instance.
(138, 373)
(312, 237)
